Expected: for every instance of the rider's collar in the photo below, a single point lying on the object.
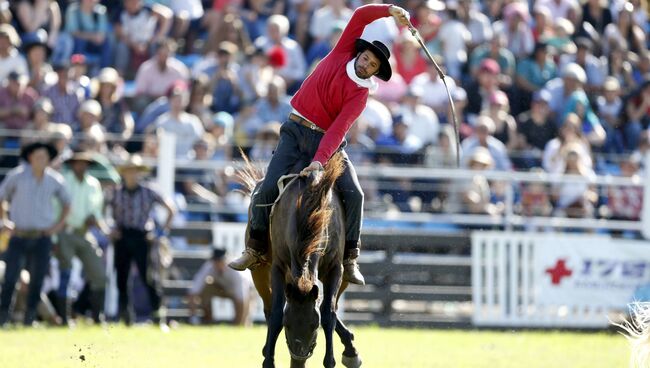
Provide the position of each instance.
(370, 83)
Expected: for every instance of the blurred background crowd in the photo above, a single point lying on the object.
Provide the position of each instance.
(560, 86)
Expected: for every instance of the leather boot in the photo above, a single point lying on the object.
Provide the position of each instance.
(253, 256)
(351, 272)
(97, 298)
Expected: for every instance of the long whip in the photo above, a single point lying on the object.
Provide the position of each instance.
(415, 34)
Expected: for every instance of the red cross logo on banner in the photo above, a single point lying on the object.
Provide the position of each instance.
(559, 271)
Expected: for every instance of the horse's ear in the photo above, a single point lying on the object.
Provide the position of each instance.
(314, 292)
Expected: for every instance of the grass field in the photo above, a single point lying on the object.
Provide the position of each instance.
(228, 347)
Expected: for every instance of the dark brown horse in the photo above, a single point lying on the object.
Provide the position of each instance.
(307, 243)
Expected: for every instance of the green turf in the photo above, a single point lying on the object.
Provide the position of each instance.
(193, 347)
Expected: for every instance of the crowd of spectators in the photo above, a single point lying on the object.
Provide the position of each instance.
(538, 84)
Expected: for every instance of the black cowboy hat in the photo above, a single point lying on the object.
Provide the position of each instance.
(29, 148)
(381, 52)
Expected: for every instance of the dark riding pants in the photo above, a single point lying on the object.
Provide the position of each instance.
(295, 150)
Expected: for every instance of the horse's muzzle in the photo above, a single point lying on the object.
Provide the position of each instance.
(302, 357)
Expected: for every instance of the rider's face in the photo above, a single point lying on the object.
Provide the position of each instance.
(366, 64)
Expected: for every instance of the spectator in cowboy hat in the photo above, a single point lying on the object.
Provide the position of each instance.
(41, 128)
(131, 205)
(116, 116)
(76, 240)
(30, 190)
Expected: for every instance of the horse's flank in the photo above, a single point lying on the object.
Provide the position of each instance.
(313, 214)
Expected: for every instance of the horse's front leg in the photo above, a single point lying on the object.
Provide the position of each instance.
(274, 322)
(328, 312)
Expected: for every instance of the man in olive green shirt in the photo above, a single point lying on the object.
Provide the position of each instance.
(76, 240)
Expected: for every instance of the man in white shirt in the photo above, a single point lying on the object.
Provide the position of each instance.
(296, 68)
(214, 279)
(323, 19)
(424, 122)
(10, 59)
(186, 127)
(433, 89)
(558, 8)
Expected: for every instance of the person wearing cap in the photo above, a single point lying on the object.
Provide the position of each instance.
(131, 205)
(329, 101)
(226, 90)
(573, 78)
(31, 190)
(116, 117)
(505, 126)
(156, 75)
(609, 106)
(185, 126)
(65, 97)
(88, 118)
(215, 279)
(483, 137)
(594, 67)
(86, 21)
(486, 83)
(37, 52)
(16, 101)
(11, 60)
(473, 196)
(535, 128)
(76, 240)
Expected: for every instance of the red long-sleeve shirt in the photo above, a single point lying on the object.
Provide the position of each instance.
(328, 97)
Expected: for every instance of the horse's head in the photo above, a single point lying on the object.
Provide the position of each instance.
(301, 320)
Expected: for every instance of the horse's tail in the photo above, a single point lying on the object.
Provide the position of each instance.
(637, 331)
(313, 216)
(249, 175)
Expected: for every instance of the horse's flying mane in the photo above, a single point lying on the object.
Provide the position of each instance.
(313, 215)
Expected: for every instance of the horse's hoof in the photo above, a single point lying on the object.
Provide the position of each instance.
(351, 362)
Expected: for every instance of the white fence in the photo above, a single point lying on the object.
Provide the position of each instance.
(555, 280)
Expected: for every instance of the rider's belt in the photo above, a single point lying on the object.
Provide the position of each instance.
(304, 122)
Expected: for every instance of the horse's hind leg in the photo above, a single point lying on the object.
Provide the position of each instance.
(350, 354)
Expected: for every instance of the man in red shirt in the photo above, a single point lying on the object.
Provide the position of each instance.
(324, 108)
